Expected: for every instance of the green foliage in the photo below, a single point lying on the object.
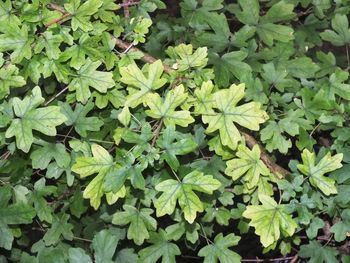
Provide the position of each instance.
(227, 140)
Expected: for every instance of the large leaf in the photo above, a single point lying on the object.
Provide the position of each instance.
(225, 113)
(341, 34)
(183, 192)
(30, 118)
(316, 173)
(270, 219)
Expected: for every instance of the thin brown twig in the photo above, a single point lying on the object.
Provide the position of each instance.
(126, 8)
(267, 260)
(54, 97)
(58, 20)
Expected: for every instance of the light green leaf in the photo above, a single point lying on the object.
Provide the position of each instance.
(7, 16)
(166, 109)
(226, 112)
(142, 86)
(219, 251)
(88, 76)
(9, 78)
(160, 248)
(81, 13)
(78, 255)
(30, 118)
(50, 43)
(270, 219)
(16, 40)
(316, 173)
(188, 58)
(124, 116)
(183, 192)
(140, 221)
(248, 165)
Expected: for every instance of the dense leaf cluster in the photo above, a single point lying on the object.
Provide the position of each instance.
(228, 140)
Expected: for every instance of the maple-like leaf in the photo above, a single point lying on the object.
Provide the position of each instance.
(101, 163)
(9, 78)
(88, 76)
(30, 118)
(183, 192)
(141, 86)
(219, 250)
(316, 173)
(166, 109)
(226, 112)
(269, 219)
(248, 165)
(140, 221)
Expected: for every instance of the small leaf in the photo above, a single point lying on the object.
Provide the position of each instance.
(104, 245)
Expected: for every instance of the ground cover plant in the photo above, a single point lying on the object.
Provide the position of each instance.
(174, 131)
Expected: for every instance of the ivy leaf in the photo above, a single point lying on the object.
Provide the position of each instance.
(16, 39)
(183, 192)
(30, 118)
(166, 109)
(78, 119)
(227, 112)
(81, 13)
(88, 76)
(341, 34)
(6, 14)
(248, 164)
(219, 250)
(160, 248)
(43, 156)
(270, 219)
(9, 78)
(142, 86)
(316, 173)
(174, 143)
(318, 253)
(101, 163)
(104, 245)
(60, 227)
(140, 221)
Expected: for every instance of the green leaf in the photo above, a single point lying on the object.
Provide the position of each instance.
(160, 248)
(183, 192)
(225, 113)
(248, 11)
(87, 76)
(50, 43)
(248, 165)
(43, 209)
(30, 118)
(140, 221)
(269, 32)
(174, 143)
(166, 109)
(316, 173)
(60, 227)
(7, 237)
(302, 67)
(270, 219)
(318, 253)
(6, 14)
(16, 39)
(9, 78)
(126, 255)
(219, 250)
(228, 66)
(101, 163)
(341, 229)
(104, 245)
(189, 59)
(77, 255)
(78, 118)
(81, 13)
(142, 87)
(341, 34)
(43, 156)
